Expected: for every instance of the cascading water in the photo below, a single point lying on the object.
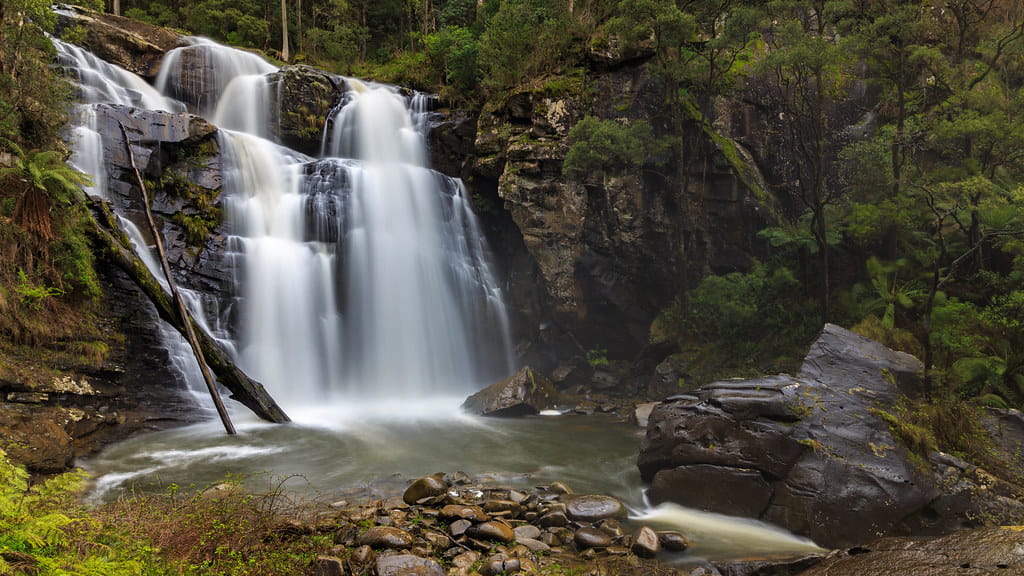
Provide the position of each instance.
(200, 74)
(360, 275)
(99, 82)
(363, 277)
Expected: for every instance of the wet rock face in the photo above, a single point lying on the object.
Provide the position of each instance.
(525, 392)
(178, 156)
(612, 249)
(50, 418)
(301, 99)
(811, 453)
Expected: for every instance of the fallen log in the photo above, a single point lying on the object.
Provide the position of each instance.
(179, 303)
(116, 246)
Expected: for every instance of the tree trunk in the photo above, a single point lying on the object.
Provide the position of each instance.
(245, 390)
(117, 7)
(186, 319)
(284, 30)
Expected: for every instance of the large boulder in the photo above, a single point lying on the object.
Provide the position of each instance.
(301, 100)
(525, 392)
(135, 46)
(814, 453)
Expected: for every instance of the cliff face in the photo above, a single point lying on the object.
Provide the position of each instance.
(613, 251)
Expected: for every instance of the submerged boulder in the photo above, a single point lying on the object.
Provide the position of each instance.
(815, 453)
(525, 392)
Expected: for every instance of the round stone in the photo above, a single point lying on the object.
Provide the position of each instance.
(534, 545)
(553, 519)
(492, 531)
(527, 531)
(588, 537)
(464, 511)
(592, 508)
(560, 488)
(381, 537)
(408, 565)
(459, 527)
(503, 508)
(673, 541)
(426, 487)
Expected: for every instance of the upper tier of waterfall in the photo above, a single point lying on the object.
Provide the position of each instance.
(362, 274)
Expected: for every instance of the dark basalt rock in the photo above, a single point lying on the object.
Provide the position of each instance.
(525, 392)
(812, 454)
(729, 490)
(301, 100)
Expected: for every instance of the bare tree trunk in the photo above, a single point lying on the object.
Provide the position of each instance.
(284, 30)
(117, 7)
(115, 246)
(182, 310)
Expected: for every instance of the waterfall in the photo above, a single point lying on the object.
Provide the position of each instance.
(360, 275)
(365, 276)
(201, 73)
(100, 82)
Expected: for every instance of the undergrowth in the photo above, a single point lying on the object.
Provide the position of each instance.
(224, 531)
(46, 531)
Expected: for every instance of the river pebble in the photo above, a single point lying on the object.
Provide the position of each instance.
(408, 565)
(381, 537)
(589, 537)
(673, 541)
(464, 511)
(527, 531)
(592, 507)
(492, 530)
(503, 508)
(553, 519)
(425, 487)
(645, 543)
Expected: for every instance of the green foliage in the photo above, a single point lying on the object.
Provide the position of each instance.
(239, 22)
(43, 531)
(524, 39)
(33, 294)
(753, 316)
(454, 51)
(597, 357)
(600, 146)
